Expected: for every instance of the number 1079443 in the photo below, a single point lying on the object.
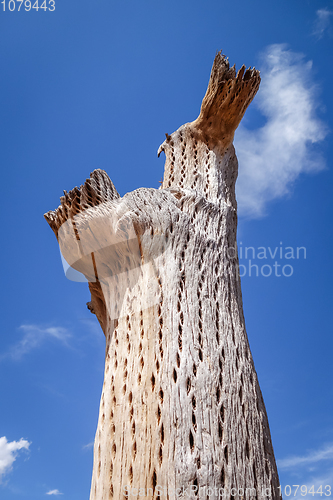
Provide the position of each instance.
(12, 5)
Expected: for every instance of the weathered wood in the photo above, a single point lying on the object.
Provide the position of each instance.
(181, 405)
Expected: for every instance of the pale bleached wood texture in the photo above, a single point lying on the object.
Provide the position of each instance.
(181, 405)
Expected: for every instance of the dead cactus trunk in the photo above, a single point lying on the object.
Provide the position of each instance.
(181, 412)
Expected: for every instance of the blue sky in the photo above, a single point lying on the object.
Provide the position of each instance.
(96, 85)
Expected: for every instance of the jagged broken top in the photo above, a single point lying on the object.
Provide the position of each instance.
(226, 99)
(96, 190)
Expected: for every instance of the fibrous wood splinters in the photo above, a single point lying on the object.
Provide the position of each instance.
(181, 408)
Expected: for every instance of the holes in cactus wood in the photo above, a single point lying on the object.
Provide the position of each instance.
(200, 355)
(157, 366)
(196, 489)
(194, 403)
(199, 462)
(267, 469)
(160, 455)
(154, 480)
(152, 382)
(194, 370)
(139, 379)
(178, 359)
(222, 413)
(174, 375)
(194, 422)
(247, 449)
(188, 385)
(191, 439)
(133, 428)
(114, 450)
(158, 414)
(130, 475)
(218, 394)
(162, 433)
(161, 395)
(142, 363)
(226, 454)
(222, 477)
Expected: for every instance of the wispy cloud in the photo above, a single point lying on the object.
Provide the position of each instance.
(33, 337)
(54, 492)
(312, 457)
(273, 156)
(322, 22)
(88, 446)
(9, 452)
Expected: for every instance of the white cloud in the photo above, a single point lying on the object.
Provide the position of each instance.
(54, 492)
(325, 453)
(88, 446)
(33, 337)
(322, 22)
(9, 452)
(273, 156)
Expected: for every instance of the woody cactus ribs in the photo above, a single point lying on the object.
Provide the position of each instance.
(181, 409)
